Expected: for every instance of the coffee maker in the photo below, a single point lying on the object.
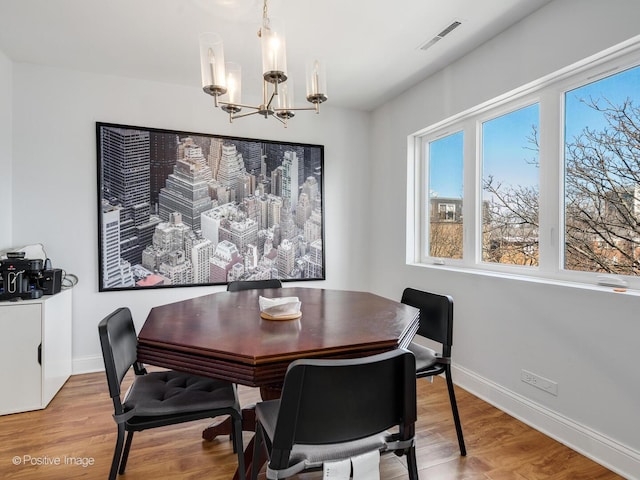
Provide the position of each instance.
(21, 277)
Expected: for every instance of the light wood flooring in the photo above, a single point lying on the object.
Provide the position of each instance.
(77, 431)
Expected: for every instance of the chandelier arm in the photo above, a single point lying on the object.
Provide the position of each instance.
(280, 120)
(294, 109)
(241, 105)
(245, 114)
(268, 105)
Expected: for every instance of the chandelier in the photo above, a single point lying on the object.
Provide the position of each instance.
(223, 80)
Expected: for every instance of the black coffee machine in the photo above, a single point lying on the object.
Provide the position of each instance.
(21, 277)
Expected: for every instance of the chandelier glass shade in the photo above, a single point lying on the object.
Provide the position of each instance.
(223, 80)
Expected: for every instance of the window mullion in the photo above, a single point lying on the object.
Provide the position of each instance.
(551, 185)
(472, 209)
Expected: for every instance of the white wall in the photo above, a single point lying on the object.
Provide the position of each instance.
(584, 339)
(55, 183)
(6, 123)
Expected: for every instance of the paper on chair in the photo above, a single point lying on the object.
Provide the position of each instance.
(366, 466)
(279, 306)
(337, 470)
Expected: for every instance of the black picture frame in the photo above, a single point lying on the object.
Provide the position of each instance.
(182, 209)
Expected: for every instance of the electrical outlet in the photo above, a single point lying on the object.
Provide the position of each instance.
(542, 383)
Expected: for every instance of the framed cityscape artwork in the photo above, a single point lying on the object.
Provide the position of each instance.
(179, 209)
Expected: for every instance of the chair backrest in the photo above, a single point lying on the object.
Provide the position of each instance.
(119, 343)
(253, 284)
(436, 315)
(333, 401)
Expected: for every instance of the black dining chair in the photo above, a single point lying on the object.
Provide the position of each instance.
(158, 399)
(239, 285)
(337, 409)
(436, 324)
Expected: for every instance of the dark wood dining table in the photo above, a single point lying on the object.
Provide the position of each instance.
(222, 335)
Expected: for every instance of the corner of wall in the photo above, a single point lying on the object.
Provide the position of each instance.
(6, 149)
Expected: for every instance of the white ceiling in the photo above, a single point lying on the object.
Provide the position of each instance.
(371, 48)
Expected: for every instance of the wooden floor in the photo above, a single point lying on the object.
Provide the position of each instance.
(73, 438)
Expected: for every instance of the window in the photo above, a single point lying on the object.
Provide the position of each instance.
(602, 175)
(445, 157)
(446, 212)
(552, 173)
(510, 188)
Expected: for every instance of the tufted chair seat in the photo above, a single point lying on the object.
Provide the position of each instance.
(170, 392)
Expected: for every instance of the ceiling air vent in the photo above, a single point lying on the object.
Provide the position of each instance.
(439, 37)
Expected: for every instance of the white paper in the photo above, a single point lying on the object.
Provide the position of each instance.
(366, 466)
(279, 306)
(337, 470)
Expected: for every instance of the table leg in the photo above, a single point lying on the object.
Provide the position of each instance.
(224, 427)
(248, 425)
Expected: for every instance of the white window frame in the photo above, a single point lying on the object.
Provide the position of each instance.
(549, 93)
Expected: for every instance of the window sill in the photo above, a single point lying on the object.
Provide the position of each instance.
(528, 278)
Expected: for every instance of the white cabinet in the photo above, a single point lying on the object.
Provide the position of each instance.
(35, 351)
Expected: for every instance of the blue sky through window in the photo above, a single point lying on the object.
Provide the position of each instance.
(507, 153)
(445, 166)
(615, 88)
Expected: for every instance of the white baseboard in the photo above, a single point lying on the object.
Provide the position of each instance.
(87, 365)
(599, 448)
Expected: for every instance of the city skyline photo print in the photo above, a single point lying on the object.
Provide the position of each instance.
(181, 209)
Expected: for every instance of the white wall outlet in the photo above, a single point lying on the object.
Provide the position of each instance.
(542, 383)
